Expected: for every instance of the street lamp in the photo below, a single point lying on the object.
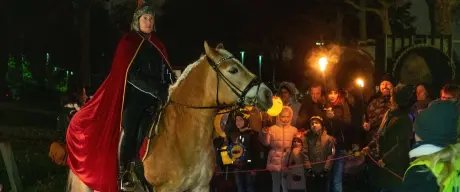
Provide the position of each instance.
(260, 67)
(242, 57)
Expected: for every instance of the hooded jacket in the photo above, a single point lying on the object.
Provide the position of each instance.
(279, 139)
(318, 148)
(293, 103)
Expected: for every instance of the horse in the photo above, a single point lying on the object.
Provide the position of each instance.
(180, 154)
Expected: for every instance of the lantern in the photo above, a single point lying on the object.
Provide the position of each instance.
(276, 108)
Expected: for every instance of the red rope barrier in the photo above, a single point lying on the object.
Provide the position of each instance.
(296, 166)
(289, 167)
(396, 175)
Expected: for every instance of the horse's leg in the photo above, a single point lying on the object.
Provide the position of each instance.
(201, 188)
(165, 188)
(74, 184)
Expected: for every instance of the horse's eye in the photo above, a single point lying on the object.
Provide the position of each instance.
(233, 70)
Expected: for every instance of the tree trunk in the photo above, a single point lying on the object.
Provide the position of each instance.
(4, 52)
(339, 24)
(386, 27)
(443, 17)
(362, 20)
(85, 19)
(17, 55)
(3, 65)
(431, 15)
(37, 60)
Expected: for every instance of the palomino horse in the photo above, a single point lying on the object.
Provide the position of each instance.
(180, 156)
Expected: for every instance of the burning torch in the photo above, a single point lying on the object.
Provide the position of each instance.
(322, 63)
(360, 84)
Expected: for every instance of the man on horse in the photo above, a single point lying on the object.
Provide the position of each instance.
(114, 123)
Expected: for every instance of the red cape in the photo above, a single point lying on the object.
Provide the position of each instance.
(94, 132)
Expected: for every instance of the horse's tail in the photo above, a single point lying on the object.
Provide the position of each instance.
(74, 184)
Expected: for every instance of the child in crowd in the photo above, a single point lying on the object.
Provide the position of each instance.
(295, 175)
(279, 138)
(318, 150)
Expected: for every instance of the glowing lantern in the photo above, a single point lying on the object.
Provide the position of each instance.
(276, 108)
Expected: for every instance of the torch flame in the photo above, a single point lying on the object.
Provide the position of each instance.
(360, 82)
(322, 63)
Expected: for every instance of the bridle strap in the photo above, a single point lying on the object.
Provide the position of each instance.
(238, 92)
(241, 94)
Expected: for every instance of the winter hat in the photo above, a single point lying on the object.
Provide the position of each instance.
(296, 140)
(387, 77)
(142, 9)
(320, 119)
(331, 85)
(437, 124)
(404, 96)
(290, 87)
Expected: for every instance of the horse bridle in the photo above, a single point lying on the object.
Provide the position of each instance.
(238, 92)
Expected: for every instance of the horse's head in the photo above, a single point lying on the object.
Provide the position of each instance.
(233, 82)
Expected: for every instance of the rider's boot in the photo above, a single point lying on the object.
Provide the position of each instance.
(126, 179)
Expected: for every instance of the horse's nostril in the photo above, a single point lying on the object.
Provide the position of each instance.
(268, 97)
(268, 94)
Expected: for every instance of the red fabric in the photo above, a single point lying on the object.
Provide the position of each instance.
(94, 132)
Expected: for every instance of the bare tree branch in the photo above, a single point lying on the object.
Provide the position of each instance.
(383, 3)
(353, 4)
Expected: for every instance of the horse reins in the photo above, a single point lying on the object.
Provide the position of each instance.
(238, 92)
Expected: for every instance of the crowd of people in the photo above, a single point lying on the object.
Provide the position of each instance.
(401, 139)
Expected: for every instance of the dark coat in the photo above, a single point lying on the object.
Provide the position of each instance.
(318, 148)
(419, 178)
(307, 110)
(340, 123)
(391, 145)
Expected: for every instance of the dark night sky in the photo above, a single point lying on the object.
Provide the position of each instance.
(256, 26)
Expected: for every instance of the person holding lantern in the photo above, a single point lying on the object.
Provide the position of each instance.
(338, 119)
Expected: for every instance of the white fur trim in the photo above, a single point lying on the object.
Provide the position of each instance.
(425, 149)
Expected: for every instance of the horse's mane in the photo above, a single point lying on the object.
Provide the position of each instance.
(190, 67)
(184, 74)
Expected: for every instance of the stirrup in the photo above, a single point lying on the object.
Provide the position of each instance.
(127, 185)
(124, 185)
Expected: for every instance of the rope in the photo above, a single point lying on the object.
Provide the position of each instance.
(298, 166)
(390, 171)
(289, 167)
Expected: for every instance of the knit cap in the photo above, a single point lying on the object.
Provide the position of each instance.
(437, 124)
